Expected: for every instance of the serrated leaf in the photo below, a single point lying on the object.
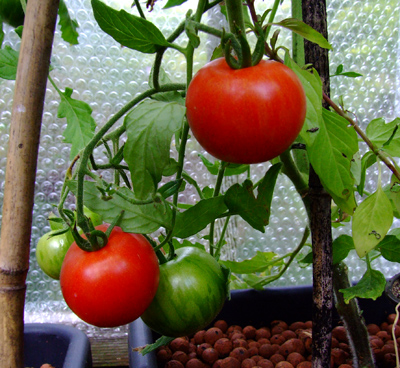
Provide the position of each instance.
(371, 222)
(143, 219)
(305, 31)
(68, 25)
(331, 154)
(390, 248)
(371, 286)
(8, 63)
(379, 132)
(197, 217)
(313, 89)
(127, 29)
(341, 247)
(150, 128)
(259, 263)
(240, 200)
(80, 123)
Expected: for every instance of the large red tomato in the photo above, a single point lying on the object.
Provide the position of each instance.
(114, 285)
(248, 115)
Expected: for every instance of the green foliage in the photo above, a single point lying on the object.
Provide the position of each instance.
(80, 123)
(149, 128)
(68, 26)
(8, 63)
(371, 221)
(154, 127)
(129, 30)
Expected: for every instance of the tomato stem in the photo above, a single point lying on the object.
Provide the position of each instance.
(218, 185)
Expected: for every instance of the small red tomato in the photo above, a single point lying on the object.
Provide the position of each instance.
(114, 285)
(248, 115)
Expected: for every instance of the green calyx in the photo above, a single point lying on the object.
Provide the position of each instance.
(239, 46)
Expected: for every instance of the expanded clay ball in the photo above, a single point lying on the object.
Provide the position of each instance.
(255, 347)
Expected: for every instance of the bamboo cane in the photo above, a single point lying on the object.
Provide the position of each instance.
(27, 110)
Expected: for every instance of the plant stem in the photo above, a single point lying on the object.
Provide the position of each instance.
(272, 17)
(234, 10)
(217, 189)
(351, 317)
(99, 136)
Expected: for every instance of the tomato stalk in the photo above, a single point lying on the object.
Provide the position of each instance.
(217, 190)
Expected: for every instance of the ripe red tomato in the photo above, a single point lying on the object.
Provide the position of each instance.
(248, 115)
(114, 285)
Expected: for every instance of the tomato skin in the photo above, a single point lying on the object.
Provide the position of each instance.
(11, 12)
(248, 115)
(192, 291)
(50, 252)
(114, 285)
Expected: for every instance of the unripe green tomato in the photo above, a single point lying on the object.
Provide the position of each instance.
(11, 12)
(50, 252)
(192, 290)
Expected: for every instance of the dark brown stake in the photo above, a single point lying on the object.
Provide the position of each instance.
(314, 14)
(30, 87)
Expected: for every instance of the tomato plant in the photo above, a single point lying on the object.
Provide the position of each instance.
(111, 286)
(11, 12)
(50, 252)
(192, 290)
(247, 115)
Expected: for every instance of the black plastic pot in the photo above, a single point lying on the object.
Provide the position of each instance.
(258, 308)
(59, 345)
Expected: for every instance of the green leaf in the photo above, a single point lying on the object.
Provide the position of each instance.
(267, 186)
(367, 161)
(197, 217)
(304, 30)
(331, 154)
(1, 33)
(390, 248)
(150, 127)
(313, 88)
(371, 286)
(339, 71)
(80, 123)
(191, 33)
(385, 136)
(8, 63)
(128, 29)
(68, 25)
(371, 221)
(341, 247)
(172, 3)
(231, 169)
(143, 219)
(261, 262)
(393, 193)
(161, 341)
(240, 200)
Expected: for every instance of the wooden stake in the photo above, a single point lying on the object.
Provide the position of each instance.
(30, 88)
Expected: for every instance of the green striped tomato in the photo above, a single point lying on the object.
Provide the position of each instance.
(192, 290)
